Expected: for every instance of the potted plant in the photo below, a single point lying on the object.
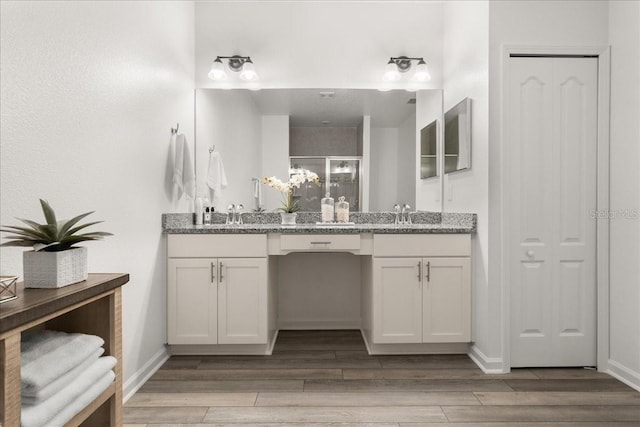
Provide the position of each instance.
(289, 204)
(55, 261)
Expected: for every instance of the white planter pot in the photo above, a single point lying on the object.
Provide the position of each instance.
(288, 218)
(54, 269)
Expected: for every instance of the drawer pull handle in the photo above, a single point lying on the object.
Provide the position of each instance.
(213, 274)
(320, 243)
(221, 276)
(419, 272)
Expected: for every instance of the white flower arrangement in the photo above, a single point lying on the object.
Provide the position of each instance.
(286, 188)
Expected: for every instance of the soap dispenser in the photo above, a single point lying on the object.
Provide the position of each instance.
(327, 210)
(199, 211)
(342, 210)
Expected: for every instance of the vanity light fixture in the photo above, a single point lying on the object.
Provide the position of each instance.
(242, 64)
(402, 64)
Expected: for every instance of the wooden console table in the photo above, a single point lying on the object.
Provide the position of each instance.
(91, 307)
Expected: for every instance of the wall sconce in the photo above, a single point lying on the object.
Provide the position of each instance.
(242, 64)
(402, 64)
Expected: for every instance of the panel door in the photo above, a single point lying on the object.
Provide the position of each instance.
(446, 302)
(397, 300)
(192, 297)
(552, 137)
(242, 301)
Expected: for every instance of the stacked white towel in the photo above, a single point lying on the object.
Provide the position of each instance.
(60, 375)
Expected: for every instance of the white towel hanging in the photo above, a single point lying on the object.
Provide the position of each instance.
(216, 177)
(184, 178)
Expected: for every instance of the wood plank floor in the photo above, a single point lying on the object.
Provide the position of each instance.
(319, 378)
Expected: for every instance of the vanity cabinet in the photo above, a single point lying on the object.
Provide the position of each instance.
(217, 300)
(421, 299)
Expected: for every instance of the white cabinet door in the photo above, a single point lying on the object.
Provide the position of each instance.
(397, 300)
(192, 297)
(552, 134)
(242, 301)
(446, 300)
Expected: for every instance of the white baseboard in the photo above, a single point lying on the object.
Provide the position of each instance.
(418, 348)
(319, 324)
(489, 365)
(137, 380)
(624, 374)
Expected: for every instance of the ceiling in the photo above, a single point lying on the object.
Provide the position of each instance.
(336, 107)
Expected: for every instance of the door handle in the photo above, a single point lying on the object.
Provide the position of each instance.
(419, 272)
(428, 271)
(220, 273)
(213, 274)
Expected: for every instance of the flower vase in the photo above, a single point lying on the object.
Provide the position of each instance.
(288, 218)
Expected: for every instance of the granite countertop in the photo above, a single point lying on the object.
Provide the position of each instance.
(364, 222)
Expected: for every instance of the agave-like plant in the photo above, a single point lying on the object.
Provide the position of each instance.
(54, 236)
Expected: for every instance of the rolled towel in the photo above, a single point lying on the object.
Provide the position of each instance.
(47, 355)
(82, 401)
(69, 396)
(33, 396)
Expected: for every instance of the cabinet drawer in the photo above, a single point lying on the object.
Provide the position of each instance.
(216, 245)
(320, 242)
(422, 245)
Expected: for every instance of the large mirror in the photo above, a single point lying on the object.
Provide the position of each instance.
(363, 143)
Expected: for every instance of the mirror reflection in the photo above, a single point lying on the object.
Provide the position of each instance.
(457, 137)
(429, 151)
(362, 143)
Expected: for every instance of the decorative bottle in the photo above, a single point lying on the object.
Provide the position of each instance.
(327, 208)
(342, 210)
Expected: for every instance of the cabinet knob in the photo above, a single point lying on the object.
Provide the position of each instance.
(530, 253)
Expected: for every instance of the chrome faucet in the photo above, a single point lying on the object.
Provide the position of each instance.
(231, 213)
(234, 216)
(396, 210)
(239, 209)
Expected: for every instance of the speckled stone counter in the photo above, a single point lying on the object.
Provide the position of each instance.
(364, 222)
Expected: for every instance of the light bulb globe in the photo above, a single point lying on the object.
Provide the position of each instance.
(391, 73)
(217, 71)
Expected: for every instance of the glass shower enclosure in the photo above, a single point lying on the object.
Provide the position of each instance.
(339, 176)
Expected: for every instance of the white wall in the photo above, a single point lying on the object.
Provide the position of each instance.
(231, 122)
(275, 156)
(466, 70)
(406, 162)
(383, 180)
(90, 91)
(326, 44)
(525, 23)
(319, 291)
(624, 345)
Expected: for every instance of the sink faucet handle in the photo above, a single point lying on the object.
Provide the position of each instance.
(406, 208)
(239, 209)
(396, 210)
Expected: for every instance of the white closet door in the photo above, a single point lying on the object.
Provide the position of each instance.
(552, 116)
